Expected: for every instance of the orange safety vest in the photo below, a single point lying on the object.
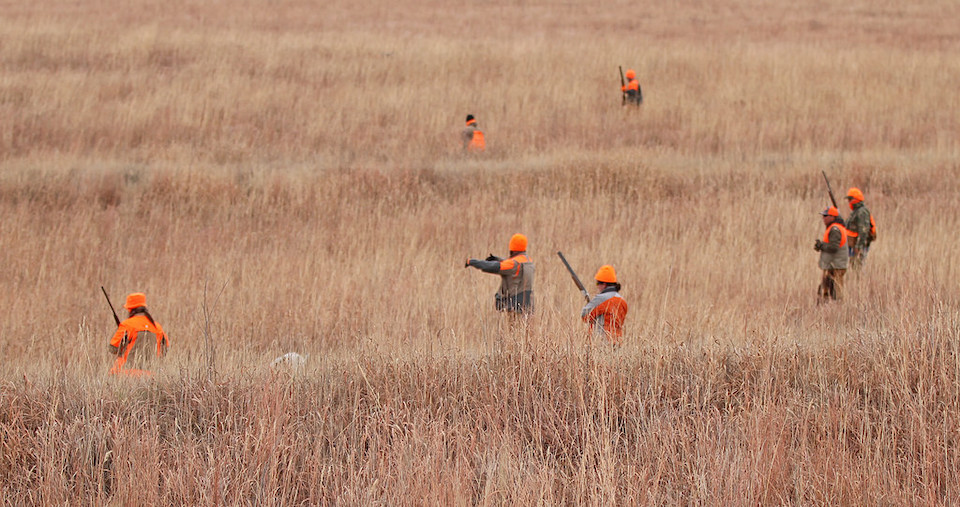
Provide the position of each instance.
(477, 143)
(511, 263)
(132, 341)
(843, 234)
(516, 284)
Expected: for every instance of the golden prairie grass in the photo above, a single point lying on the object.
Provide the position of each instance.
(754, 424)
(287, 176)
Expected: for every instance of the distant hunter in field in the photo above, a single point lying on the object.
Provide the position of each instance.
(516, 277)
(631, 89)
(607, 310)
(861, 229)
(833, 256)
(138, 340)
(472, 136)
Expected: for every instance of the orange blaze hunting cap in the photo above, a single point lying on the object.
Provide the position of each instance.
(135, 300)
(631, 74)
(518, 243)
(831, 211)
(855, 194)
(606, 274)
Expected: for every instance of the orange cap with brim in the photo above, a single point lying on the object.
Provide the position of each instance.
(830, 212)
(518, 243)
(135, 300)
(855, 195)
(606, 274)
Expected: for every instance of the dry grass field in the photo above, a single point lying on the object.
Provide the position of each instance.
(286, 176)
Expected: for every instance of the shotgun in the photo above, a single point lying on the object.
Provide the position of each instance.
(623, 101)
(117, 319)
(832, 198)
(829, 189)
(576, 279)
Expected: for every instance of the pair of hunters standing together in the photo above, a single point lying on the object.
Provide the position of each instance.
(843, 244)
(605, 312)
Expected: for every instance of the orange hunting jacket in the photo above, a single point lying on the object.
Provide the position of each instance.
(473, 138)
(477, 142)
(606, 313)
(137, 342)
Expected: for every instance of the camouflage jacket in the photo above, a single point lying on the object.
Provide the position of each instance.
(859, 223)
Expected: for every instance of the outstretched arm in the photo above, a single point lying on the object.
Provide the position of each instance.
(491, 266)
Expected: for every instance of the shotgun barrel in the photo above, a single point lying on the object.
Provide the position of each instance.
(830, 189)
(576, 279)
(623, 100)
(115, 317)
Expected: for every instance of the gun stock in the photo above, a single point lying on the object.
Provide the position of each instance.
(576, 279)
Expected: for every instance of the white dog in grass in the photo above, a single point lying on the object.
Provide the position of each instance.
(291, 361)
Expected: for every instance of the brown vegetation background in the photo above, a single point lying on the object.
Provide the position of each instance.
(286, 176)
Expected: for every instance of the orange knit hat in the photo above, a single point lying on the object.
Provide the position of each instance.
(606, 274)
(518, 243)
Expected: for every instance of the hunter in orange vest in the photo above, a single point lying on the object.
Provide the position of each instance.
(472, 136)
(631, 91)
(607, 310)
(516, 277)
(139, 339)
(833, 256)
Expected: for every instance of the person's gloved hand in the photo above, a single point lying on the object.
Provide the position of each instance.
(492, 257)
(466, 263)
(818, 245)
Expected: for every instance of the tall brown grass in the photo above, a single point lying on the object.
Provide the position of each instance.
(286, 176)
